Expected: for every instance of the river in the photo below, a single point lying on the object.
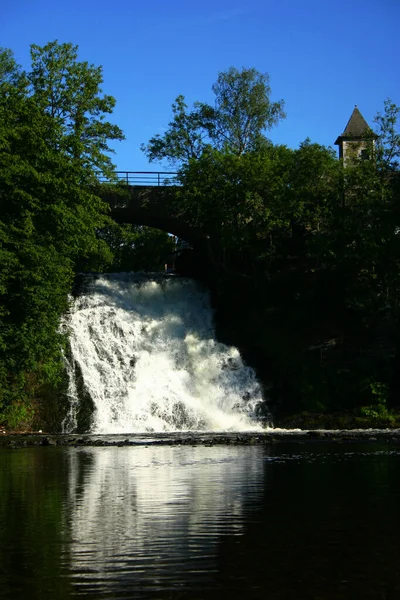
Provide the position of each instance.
(177, 488)
(284, 521)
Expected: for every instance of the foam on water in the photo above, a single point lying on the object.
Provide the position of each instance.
(146, 348)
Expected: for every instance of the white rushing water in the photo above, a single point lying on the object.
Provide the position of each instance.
(146, 348)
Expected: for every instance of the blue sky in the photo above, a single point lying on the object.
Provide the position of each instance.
(323, 56)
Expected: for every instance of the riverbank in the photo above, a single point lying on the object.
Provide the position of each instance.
(339, 420)
(270, 436)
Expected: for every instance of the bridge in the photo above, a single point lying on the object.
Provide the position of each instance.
(149, 198)
(143, 178)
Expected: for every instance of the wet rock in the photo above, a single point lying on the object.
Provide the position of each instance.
(316, 434)
(269, 437)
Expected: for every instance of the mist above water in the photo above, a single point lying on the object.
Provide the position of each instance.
(146, 349)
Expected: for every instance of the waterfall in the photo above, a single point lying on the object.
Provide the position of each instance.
(146, 350)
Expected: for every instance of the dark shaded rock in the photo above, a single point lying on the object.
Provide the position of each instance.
(316, 434)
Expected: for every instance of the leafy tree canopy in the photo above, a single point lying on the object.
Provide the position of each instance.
(70, 92)
(388, 140)
(236, 123)
(53, 138)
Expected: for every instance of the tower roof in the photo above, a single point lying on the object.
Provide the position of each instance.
(356, 127)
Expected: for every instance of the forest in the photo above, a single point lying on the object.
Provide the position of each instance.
(303, 251)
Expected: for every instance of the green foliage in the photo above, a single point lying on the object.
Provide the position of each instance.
(236, 123)
(137, 248)
(378, 408)
(260, 207)
(19, 414)
(388, 143)
(184, 139)
(315, 247)
(9, 70)
(302, 249)
(242, 111)
(52, 139)
(69, 92)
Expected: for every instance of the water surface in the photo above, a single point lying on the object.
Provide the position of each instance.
(280, 522)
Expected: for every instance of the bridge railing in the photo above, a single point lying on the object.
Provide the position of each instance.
(145, 178)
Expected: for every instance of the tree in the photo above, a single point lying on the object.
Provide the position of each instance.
(70, 92)
(242, 111)
(10, 72)
(137, 248)
(388, 142)
(236, 123)
(184, 139)
(293, 266)
(53, 138)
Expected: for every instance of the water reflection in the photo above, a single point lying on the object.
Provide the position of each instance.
(147, 516)
(283, 523)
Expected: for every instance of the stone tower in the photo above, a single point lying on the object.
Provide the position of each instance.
(357, 140)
